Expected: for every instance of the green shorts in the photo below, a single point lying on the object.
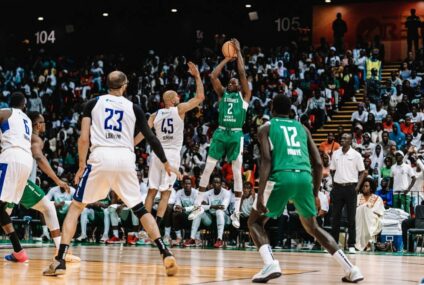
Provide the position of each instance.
(226, 143)
(32, 195)
(283, 186)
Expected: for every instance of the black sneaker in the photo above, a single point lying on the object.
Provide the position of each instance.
(57, 267)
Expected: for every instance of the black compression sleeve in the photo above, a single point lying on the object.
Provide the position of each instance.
(89, 106)
(148, 134)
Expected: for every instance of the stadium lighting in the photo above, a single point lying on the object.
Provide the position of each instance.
(105, 14)
(174, 10)
(327, 1)
(248, 6)
(40, 19)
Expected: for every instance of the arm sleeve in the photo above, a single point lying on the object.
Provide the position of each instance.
(141, 124)
(89, 106)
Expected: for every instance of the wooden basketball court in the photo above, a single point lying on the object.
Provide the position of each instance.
(142, 265)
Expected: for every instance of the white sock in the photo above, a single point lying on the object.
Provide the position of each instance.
(116, 233)
(167, 231)
(266, 254)
(56, 241)
(199, 198)
(178, 234)
(342, 259)
(45, 230)
(197, 235)
(237, 204)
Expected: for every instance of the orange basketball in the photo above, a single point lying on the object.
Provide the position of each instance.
(228, 49)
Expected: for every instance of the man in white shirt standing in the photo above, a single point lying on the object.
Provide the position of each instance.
(346, 166)
(402, 180)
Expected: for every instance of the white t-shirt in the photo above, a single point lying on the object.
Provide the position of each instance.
(362, 118)
(58, 196)
(181, 199)
(325, 206)
(346, 166)
(379, 115)
(401, 176)
(223, 198)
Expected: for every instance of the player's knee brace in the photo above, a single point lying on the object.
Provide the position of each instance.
(4, 217)
(139, 210)
(210, 165)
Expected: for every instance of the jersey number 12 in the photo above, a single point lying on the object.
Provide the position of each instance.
(290, 134)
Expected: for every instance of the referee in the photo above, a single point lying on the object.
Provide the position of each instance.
(346, 166)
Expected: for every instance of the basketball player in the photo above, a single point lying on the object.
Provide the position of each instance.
(169, 126)
(109, 123)
(33, 196)
(227, 140)
(287, 151)
(15, 164)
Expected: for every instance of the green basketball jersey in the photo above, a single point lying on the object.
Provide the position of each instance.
(289, 144)
(232, 110)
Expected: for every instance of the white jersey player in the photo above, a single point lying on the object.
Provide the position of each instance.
(109, 123)
(169, 126)
(15, 163)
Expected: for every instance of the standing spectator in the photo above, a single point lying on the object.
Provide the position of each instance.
(330, 145)
(402, 173)
(373, 63)
(412, 24)
(346, 166)
(339, 30)
(372, 87)
(386, 169)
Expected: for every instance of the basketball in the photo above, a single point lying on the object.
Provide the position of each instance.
(228, 49)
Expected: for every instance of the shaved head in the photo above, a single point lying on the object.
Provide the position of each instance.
(170, 97)
(116, 79)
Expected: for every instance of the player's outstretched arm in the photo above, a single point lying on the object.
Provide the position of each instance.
(83, 146)
(316, 162)
(200, 91)
(265, 169)
(43, 163)
(216, 83)
(247, 94)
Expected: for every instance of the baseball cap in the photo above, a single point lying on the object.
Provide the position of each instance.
(399, 152)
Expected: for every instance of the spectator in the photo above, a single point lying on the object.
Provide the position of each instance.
(339, 30)
(401, 174)
(395, 80)
(247, 204)
(330, 145)
(327, 181)
(372, 86)
(369, 213)
(316, 107)
(95, 213)
(385, 192)
(416, 116)
(370, 124)
(405, 72)
(416, 136)
(62, 199)
(412, 25)
(388, 124)
(407, 127)
(397, 136)
(360, 116)
(377, 133)
(373, 66)
(346, 166)
(377, 157)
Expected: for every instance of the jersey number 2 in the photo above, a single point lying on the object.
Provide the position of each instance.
(114, 113)
(291, 141)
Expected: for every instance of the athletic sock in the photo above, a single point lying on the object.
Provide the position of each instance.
(266, 254)
(56, 241)
(178, 234)
(237, 204)
(199, 198)
(161, 245)
(116, 233)
(342, 259)
(63, 249)
(45, 231)
(167, 231)
(15, 242)
(158, 221)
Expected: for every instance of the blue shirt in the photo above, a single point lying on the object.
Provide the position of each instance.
(386, 197)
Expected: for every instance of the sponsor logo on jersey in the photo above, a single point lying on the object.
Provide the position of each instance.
(113, 136)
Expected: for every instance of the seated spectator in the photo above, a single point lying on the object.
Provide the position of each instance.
(402, 173)
(394, 79)
(360, 116)
(386, 143)
(377, 157)
(406, 225)
(367, 145)
(372, 87)
(62, 199)
(215, 203)
(416, 116)
(387, 92)
(369, 212)
(246, 204)
(416, 136)
(316, 107)
(397, 136)
(414, 80)
(357, 138)
(385, 192)
(405, 72)
(94, 213)
(388, 123)
(330, 145)
(407, 127)
(377, 133)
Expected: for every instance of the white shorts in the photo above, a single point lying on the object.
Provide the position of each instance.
(110, 169)
(15, 168)
(158, 178)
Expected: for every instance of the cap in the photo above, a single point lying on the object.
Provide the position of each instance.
(367, 134)
(399, 152)
(333, 48)
(265, 117)
(359, 126)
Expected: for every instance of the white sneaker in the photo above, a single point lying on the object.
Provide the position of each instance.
(196, 212)
(235, 219)
(104, 239)
(353, 99)
(81, 238)
(268, 272)
(353, 276)
(352, 250)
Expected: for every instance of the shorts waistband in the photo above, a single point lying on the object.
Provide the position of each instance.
(345, 184)
(230, 129)
(294, 170)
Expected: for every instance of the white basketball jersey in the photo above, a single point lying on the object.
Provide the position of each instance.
(169, 128)
(16, 131)
(112, 123)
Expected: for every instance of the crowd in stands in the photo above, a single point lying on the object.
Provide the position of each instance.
(386, 129)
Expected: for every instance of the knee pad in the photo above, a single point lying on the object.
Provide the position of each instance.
(139, 210)
(209, 167)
